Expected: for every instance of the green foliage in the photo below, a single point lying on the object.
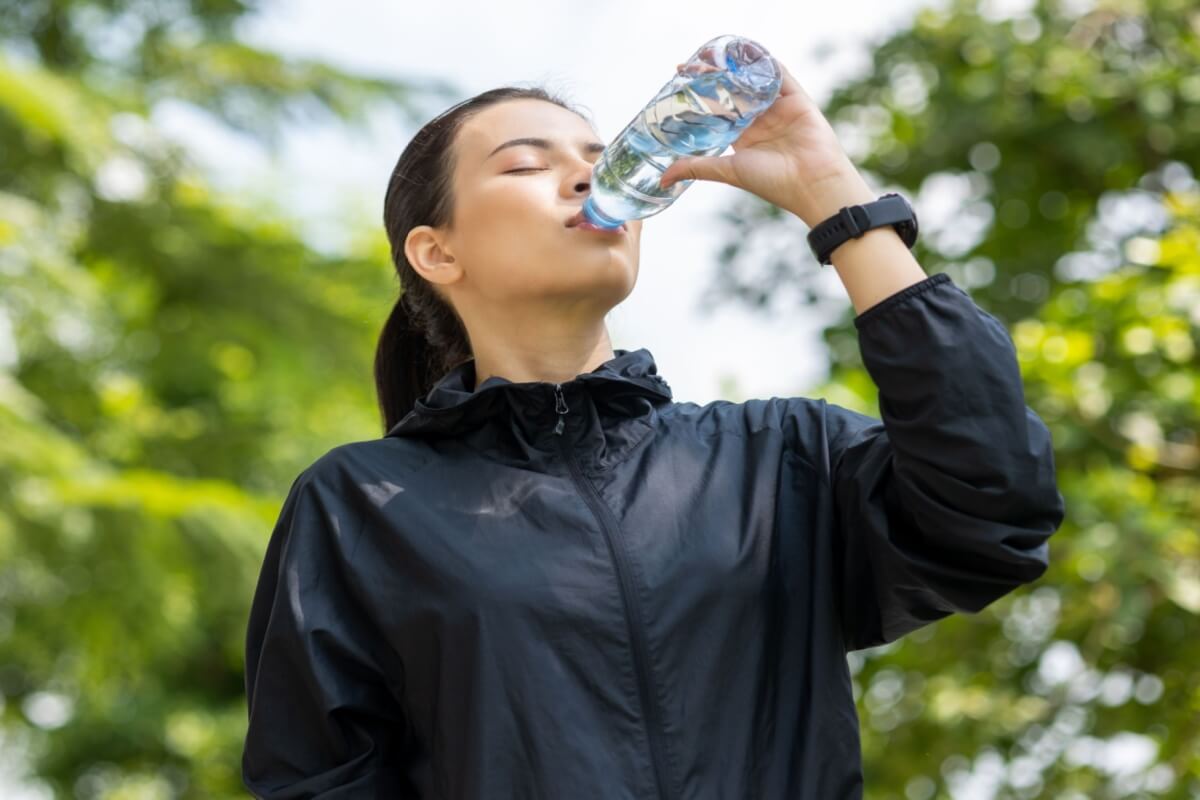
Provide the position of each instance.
(169, 360)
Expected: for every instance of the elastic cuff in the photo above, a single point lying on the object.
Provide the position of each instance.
(899, 297)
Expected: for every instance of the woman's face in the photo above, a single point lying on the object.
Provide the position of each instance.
(508, 250)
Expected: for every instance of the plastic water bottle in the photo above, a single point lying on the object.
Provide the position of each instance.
(719, 91)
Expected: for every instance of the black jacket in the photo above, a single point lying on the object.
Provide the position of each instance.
(590, 590)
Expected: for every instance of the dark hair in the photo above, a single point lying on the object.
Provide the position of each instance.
(424, 337)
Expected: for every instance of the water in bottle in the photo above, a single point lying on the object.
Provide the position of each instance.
(719, 91)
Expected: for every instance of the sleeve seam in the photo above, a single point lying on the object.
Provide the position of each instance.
(891, 301)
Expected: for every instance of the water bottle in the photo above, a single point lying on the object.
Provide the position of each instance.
(719, 91)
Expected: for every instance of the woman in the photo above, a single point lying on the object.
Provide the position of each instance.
(550, 579)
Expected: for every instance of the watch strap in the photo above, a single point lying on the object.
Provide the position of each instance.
(853, 221)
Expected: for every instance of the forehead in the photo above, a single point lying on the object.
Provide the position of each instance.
(516, 119)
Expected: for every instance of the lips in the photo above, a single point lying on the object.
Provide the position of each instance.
(578, 217)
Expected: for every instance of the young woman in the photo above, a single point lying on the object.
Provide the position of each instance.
(551, 579)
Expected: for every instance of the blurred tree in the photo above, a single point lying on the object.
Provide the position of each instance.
(1051, 150)
(160, 346)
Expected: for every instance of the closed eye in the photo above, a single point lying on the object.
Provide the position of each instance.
(524, 169)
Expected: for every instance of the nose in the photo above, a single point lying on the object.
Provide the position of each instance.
(583, 178)
(585, 183)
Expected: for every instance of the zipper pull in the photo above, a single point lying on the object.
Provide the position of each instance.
(560, 405)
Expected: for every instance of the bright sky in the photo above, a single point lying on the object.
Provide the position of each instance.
(594, 57)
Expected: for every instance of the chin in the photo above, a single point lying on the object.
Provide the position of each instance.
(618, 288)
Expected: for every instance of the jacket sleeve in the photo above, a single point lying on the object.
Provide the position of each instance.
(323, 721)
(947, 503)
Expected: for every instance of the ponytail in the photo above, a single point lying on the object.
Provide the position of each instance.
(408, 363)
(401, 366)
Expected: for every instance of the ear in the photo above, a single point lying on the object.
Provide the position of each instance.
(427, 253)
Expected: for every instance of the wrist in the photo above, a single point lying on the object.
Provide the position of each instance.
(825, 197)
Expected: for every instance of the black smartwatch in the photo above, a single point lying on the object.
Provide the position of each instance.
(853, 221)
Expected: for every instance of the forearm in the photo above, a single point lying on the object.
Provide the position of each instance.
(877, 264)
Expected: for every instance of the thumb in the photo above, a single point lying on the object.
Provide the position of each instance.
(703, 168)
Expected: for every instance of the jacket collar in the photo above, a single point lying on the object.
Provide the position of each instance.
(451, 405)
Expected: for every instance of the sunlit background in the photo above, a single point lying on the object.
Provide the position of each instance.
(193, 273)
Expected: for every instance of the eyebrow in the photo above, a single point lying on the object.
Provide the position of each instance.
(545, 144)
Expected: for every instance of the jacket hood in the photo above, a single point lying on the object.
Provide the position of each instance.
(451, 406)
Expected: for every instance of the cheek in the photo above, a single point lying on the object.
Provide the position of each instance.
(505, 229)
(515, 256)
(518, 247)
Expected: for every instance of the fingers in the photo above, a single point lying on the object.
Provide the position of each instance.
(700, 168)
(790, 84)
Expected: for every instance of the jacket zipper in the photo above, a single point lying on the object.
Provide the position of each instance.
(632, 615)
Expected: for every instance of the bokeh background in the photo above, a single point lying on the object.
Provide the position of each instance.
(193, 273)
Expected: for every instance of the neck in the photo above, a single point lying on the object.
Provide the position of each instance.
(553, 360)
